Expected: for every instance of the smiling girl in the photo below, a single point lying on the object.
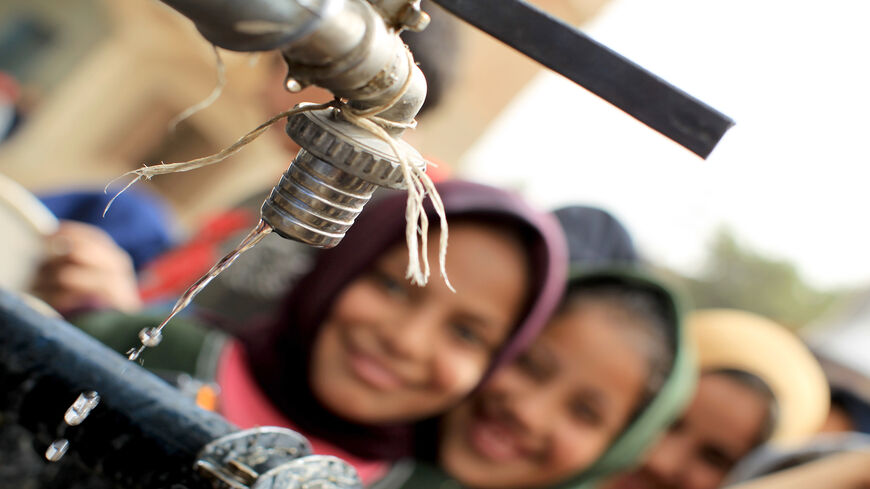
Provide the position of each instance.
(606, 374)
(359, 353)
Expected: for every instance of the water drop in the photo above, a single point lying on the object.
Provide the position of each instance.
(81, 408)
(133, 353)
(56, 450)
(292, 85)
(150, 337)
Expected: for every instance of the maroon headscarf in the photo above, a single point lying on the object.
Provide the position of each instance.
(279, 354)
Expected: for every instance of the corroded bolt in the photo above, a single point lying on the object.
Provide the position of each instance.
(412, 18)
(244, 473)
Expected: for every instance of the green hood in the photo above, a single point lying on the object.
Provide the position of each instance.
(651, 420)
(662, 409)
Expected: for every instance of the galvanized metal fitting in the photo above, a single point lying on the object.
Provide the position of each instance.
(271, 458)
(236, 461)
(257, 25)
(352, 48)
(332, 178)
(313, 471)
(328, 136)
(414, 19)
(315, 202)
(402, 13)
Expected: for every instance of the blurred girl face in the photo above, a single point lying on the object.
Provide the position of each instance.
(722, 424)
(390, 351)
(552, 412)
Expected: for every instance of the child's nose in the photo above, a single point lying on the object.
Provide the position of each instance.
(533, 414)
(412, 338)
(666, 459)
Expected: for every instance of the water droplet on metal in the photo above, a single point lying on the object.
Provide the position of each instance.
(292, 85)
(56, 450)
(133, 353)
(150, 337)
(81, 408)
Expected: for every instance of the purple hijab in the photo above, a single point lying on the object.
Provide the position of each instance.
(280, 353)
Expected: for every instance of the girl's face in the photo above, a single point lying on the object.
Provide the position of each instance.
(722, 424)
(390, 351)
(553, 411)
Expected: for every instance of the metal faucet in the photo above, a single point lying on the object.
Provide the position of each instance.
(353, 49)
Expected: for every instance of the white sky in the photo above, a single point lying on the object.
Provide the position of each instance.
(792, 178)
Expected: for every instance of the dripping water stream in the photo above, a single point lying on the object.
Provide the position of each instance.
(151, 337)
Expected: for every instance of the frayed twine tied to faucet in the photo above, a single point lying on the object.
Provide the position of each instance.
(417, 182)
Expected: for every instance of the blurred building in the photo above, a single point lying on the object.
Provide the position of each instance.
(132, 67)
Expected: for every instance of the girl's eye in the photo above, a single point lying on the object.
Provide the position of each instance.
(529, 366)
(389, 284)
(715, 458)
(468, 334)
(584, 411)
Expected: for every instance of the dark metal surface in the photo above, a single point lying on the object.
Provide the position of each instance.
(250, 25)
(142, 434)
(315, 471)
(236, 460)
(564, 49)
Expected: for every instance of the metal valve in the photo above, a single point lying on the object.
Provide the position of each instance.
(340, 165)
(271, 458)
(352, 48)
(331, 179)
(311, 472)
(235, 461)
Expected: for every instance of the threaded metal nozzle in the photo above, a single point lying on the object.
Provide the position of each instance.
(315, 202)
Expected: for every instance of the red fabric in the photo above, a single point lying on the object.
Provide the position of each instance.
(173, 272)
(9, 87)
(438, 170)
(245, 405)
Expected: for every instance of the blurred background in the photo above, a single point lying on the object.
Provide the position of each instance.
(773, 222)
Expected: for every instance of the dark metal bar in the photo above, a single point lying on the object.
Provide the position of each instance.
(251, 25)
(143, 433)
(568, 51)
